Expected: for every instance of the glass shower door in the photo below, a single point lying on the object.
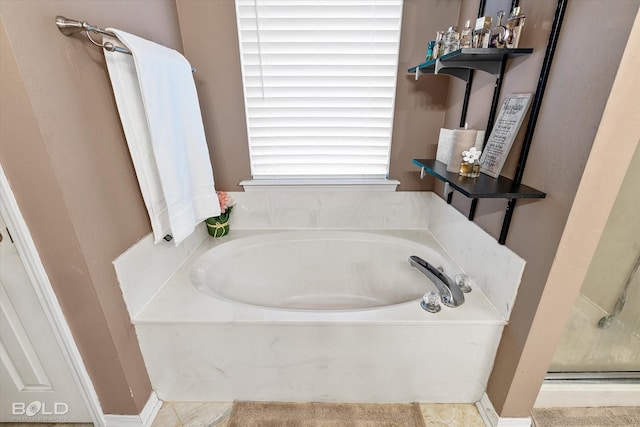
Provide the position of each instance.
(602, 335)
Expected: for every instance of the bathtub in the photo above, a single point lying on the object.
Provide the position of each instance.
(315, 315)
(316, 270)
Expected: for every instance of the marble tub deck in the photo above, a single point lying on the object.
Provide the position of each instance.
(209, 414)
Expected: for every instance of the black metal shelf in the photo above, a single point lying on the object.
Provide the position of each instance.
(461, 62)
(482, 187)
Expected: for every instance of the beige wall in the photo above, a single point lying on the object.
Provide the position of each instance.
(64, 153)
(210, 39)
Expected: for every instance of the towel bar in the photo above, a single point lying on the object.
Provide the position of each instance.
(69, 27)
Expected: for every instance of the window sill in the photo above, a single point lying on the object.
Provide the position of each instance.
(320, 184)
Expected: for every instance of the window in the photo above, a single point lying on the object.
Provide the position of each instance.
(319, 85)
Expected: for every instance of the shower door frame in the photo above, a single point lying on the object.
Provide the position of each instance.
(611, 147)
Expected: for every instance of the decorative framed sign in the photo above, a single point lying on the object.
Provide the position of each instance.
(504, 132)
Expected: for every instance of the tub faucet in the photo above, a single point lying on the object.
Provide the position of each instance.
(449, 291)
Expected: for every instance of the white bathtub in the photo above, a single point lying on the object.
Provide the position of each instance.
(316, 270)
(315, 315)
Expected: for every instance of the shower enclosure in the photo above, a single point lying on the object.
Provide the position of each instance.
(602, 336)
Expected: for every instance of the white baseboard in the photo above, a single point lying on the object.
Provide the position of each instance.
(145, 419)
(491, 419)
(576, 394)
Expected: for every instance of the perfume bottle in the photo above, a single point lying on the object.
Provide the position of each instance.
(438, 48)
(514, 27)
(498, 35)
(451, 40)
(465, 36)
(481, 32)
(430, 46)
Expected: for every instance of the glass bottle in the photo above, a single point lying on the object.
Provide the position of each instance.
(451, 40)
(481, 32)
(497, 37)
(470, 169)
(438, 49)
(514, 27)
(430, 46)
(465, 36)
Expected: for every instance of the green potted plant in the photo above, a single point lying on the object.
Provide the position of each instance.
(218, 226)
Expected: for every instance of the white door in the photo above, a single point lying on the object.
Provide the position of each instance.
(36, 383)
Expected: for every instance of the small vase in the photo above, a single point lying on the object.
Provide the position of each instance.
(470, 169)
(218, 226)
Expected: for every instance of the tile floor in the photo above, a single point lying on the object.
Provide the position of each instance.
(209, 414)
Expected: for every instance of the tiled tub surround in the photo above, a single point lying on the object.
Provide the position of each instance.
(201, 348)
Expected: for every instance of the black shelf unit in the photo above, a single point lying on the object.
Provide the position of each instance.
(462, 62)
(482, 187)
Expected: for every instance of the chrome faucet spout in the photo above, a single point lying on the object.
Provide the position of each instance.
(449, 291)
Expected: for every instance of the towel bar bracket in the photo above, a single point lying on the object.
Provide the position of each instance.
(69, 27)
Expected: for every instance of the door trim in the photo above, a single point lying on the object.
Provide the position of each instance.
(571, 393)
(35, 270)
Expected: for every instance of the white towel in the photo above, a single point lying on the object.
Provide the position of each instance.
(160, 114)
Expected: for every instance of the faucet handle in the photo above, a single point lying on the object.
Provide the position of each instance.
(464, 282)
(431, 302)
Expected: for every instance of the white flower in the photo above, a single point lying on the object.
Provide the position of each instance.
(471, 155)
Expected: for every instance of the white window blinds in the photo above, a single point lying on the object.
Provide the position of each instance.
(319, 85)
